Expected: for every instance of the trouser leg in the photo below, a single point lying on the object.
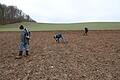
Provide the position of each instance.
(21, 48)
(62, 39)
(26, 48)
(58, 40)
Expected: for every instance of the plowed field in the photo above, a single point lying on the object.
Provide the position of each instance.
(92, 57)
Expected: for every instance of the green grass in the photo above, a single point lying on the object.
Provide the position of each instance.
(72, 26)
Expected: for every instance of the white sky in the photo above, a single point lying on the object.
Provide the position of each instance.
(67, 11)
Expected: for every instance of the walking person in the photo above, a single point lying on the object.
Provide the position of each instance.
(24, 41)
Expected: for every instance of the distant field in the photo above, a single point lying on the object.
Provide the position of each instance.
(72, 26)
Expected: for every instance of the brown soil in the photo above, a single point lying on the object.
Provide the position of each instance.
(92, 57)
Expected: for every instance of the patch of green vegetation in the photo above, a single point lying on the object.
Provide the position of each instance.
(72, 26)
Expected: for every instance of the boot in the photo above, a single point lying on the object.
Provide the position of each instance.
(26, 53)
(20, 55)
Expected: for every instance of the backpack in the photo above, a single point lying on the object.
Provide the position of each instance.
(27, 34)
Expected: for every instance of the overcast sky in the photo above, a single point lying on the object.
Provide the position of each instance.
(67, 11)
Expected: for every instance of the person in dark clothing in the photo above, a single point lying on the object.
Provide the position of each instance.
(57, 37)
(86, 31)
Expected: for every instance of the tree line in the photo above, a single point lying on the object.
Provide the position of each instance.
(11, 14)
